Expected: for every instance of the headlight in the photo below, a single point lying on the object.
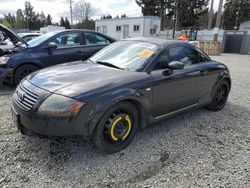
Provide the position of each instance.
(58, 105)
(4, 60)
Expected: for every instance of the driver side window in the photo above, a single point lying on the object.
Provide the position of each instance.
(184, 54)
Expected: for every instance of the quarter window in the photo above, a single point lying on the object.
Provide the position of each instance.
(95, 39)
(203, 58)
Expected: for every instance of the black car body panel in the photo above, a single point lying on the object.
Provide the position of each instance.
(155, 94)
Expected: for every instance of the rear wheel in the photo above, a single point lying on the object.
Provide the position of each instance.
(116, 128)
(23, 71)
(220, 97)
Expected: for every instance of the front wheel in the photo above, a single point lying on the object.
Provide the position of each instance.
(220, 97)
(22, 72)
(116, 128)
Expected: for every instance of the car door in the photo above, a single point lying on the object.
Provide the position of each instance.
(69, 48)
(94, 42)
(177, 89)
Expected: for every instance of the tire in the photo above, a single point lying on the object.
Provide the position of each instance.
(22, 72)
(220, 97)
(116, 128)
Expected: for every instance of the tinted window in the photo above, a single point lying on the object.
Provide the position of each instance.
(70, 39)
(186, 55)
(95, 39)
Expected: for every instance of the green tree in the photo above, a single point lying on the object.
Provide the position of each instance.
(11, 19)
(67, 23)
(62, 22)
(148, 7)
(20, 21)
(30, 16)
(106, 16)
(49, 20)
(235, 12)
(188, 11)
(42, 19)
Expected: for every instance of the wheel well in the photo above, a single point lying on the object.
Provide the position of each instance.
(229, 82)
(24, 64)
(141, 112)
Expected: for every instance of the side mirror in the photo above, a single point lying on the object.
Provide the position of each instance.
(176, 65)
(51, 46)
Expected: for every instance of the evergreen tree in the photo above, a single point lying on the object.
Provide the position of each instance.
(67, 23)
(62, 22)
(49, 20)
(30, 16)
(20, 21)
(42, 19)
(188, 11)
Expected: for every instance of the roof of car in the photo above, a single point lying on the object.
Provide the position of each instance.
(159, 41)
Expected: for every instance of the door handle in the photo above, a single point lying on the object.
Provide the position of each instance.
(203, 73)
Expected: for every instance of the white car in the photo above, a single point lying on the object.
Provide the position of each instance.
(9, 41)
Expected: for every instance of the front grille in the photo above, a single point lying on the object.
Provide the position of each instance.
(24, 98)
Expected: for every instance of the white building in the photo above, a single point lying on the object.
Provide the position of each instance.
(120, 28)
(51, 28)
(245, 26)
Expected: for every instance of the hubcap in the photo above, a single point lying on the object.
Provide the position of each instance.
(118, 128)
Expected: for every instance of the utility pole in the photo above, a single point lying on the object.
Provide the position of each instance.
(237, 16)
(175, 17)
(219, 14)
(71, 12)
(218, 19)
(211, 15)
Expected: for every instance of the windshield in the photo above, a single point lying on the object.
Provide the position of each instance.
(38, 40)
(132, 55)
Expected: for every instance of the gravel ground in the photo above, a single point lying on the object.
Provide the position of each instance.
(197, 149)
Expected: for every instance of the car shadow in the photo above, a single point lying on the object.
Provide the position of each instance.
(165, 141)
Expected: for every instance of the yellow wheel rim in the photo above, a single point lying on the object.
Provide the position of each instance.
(114, 138)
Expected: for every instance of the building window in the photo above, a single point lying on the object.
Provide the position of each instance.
(118, 28)
(136, 28)
(98, 28)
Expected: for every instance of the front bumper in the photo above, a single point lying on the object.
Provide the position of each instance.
(49, 125)
(4, 72)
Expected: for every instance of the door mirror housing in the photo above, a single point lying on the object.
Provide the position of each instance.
(51, 46)
(176, 65)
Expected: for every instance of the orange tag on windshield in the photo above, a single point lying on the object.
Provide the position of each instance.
(146, 53)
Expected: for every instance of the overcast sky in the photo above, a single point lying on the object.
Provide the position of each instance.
(58, 8)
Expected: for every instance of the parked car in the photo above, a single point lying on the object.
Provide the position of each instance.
(122, 88)
(28, 36)
(8, 40)
(49, 49)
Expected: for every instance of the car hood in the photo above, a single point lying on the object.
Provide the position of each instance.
(13, 37)
(80, 78)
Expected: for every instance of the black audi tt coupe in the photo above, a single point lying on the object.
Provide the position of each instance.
(119, 90)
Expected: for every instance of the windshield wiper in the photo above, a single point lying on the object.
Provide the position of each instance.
(109, 65)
